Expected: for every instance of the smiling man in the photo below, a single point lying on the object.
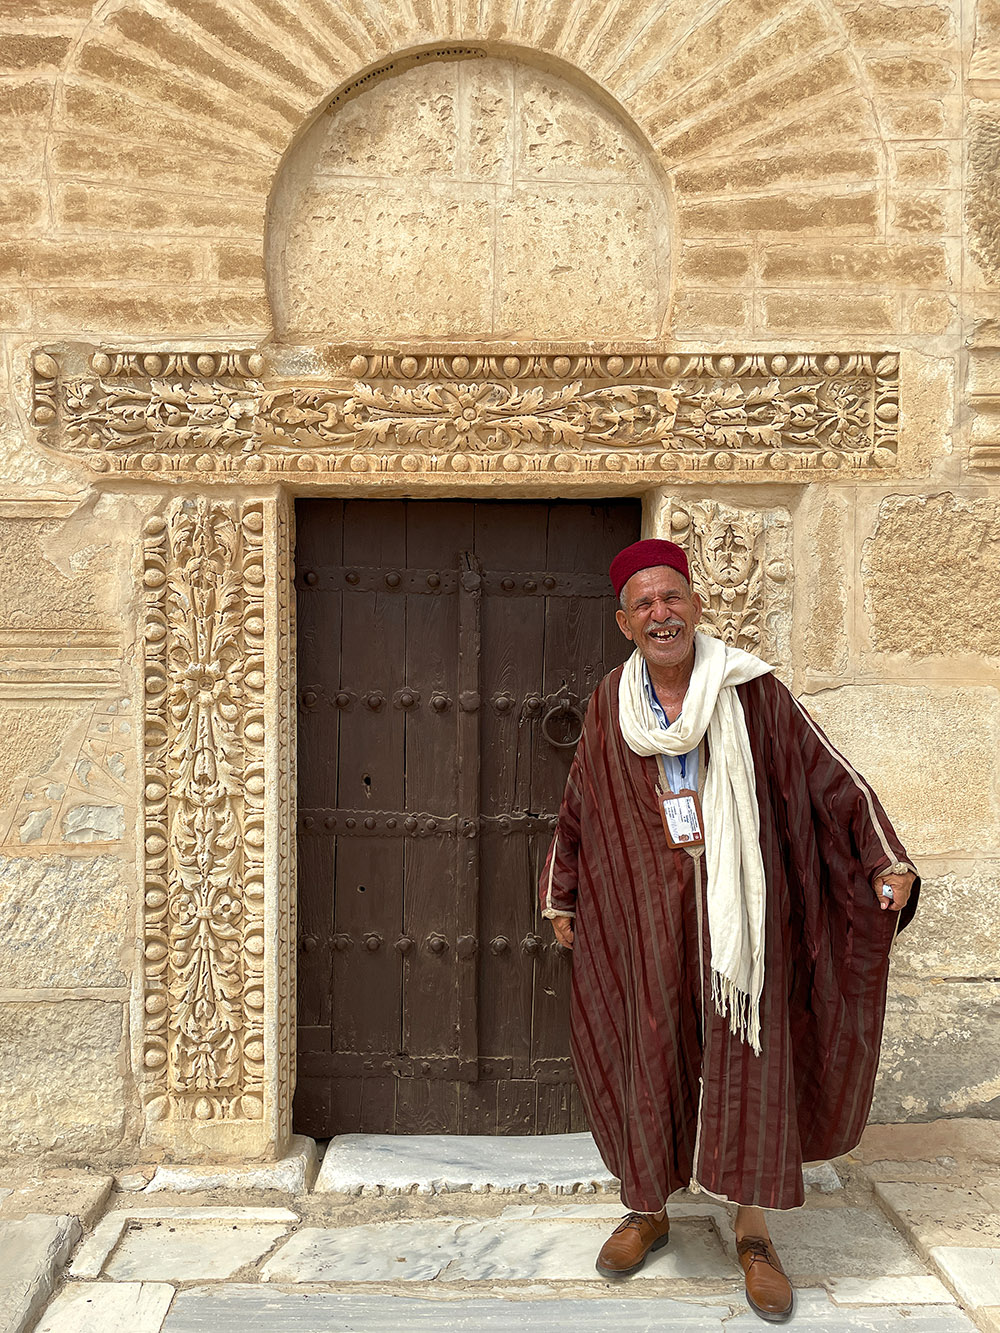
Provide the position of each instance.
(730, 888)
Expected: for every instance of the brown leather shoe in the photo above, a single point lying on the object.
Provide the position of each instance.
(768, 1288)
(625, 1250)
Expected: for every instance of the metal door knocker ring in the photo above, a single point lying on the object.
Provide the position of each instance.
(563, 708)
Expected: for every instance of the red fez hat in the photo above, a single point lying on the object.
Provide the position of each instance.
(646, 555)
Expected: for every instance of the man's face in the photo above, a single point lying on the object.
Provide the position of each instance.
(660, 615)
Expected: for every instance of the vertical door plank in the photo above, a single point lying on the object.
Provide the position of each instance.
(509, 537)
(434, 978)
(366, 969)
(478, 1107)
(516, 1106)
(318, 542)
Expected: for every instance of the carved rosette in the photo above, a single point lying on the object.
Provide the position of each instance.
(458, 413)
(203, 1049)
(740, 570)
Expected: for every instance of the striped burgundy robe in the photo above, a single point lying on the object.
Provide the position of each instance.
(646, 1041)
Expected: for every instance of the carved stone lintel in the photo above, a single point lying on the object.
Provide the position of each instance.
(457, 413)
(740, 570)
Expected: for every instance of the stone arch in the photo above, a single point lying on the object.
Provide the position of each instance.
(466, 195)
(759, 114)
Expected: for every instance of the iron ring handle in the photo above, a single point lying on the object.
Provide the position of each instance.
(557, 709)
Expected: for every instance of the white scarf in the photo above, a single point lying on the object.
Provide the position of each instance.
(735, 868)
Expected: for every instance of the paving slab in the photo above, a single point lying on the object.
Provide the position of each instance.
(108, 1307)
(94, 1252)
(974, 1274)
(445, 1163)
(293, 1174)
(236, 1308)
(33, 1251)
(453, 1250)
(64, 1193)
(161, 1251)
(911, 1290)
(840, 1242)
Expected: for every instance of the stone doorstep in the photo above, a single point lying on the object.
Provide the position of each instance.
(441, 1164)
(33, 1250)
(108, 1307)
(96, 1250)
(294, 1173)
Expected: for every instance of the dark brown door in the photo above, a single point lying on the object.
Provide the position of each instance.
(446, 652)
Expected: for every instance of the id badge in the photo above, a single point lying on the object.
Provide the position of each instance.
(683, 823)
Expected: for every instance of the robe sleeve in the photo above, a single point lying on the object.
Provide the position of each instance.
(846, 803)
(557, 885)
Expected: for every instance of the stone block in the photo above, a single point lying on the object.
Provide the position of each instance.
(706, 264)
(940, 1051)
(848, 1242)
(910, 73)
(464, 1250)
(914, 117)
(80, 155)
(93, 1255)
(489, 108)
(153, 312)
(751, 175)
(35, 737)
(21, 206)
(63, 921)
(916, 605)
(786, 312)
(930, 314)
(926, 213)
(697, 312)
(562, 135)
(355, 264)
(403, 126)
(153, 1250)
(34, 1250)
(931, 1214)
(292, 1174)
(878, 23)
(952, 736)
(25, 52)
(598, 262)
(119, 1307)
(905, 1291)
(982, 200)
(812, 211)
(68, 1193)
(234, 262)
(973, 1274)
(66, 262)
(824, 540)
(857, 264)
(113, 209)
(953, 936)
(924, 165)
(60, 1068)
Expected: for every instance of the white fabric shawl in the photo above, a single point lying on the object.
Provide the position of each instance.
(735, 868)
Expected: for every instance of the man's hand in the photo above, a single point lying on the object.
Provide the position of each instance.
(900, 886)
(563, 927)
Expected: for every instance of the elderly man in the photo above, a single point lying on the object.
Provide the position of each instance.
(730, 887)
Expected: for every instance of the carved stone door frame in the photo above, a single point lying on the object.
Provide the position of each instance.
(228, 439)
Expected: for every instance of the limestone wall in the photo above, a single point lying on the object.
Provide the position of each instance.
(216, 218)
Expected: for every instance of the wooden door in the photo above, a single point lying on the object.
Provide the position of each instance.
(446, 652)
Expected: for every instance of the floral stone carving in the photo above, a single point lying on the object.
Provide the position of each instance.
(740, 569)
(203, 1050)
(457, 413)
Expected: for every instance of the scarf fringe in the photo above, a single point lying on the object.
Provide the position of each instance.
(742, 1009)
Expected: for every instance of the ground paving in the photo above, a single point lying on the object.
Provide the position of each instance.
(894, 1246)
